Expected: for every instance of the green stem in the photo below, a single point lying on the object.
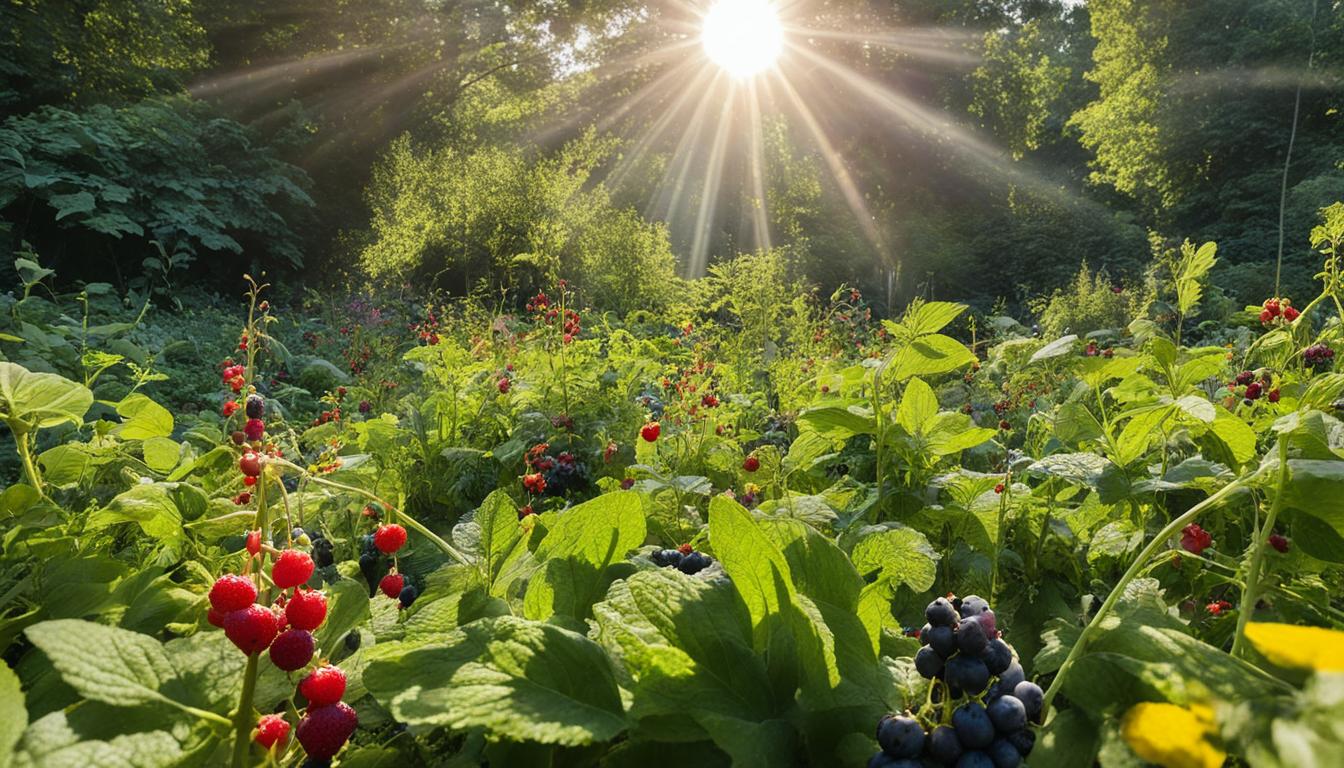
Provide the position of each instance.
(21, 444)
(998, 534)
(1258, 545)
(242, 721)
(1138, 565)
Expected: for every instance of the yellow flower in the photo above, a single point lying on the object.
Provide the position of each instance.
(1172, 736)
(1288, 645)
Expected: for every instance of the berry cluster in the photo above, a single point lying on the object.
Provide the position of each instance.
(1252, 388)
(962, 653)
(553, 475)
(683, 558)
(1318, 357)
(386, 541)
(284, 629)
(1277, 312)
(233, 375)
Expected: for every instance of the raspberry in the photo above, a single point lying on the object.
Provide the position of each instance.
(524, 511)
(391, 585)
(307, 610)
(271, 730)
(998, 487)
(232, 592)
(256, 407)
(324, 730)
(535, 483)
(504, 385)
(1195, 539)
(254, 429)
(230, 408)
(324, 685)
(389, 538)
(292, 649)
(627, 483)
(1278, 542)
(291, 568)
(751, 464)
(251, 629)
(250, 464)
(1218, 607)
(650, 431)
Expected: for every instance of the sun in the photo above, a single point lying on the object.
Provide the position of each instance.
(742, 36)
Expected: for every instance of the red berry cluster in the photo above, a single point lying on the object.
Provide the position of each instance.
(233, 375)
(1277, 312)
(1318, 357)
(1218, 607)
(428, 331)
(1092, 350)
(1251, 388)
(1279, 542)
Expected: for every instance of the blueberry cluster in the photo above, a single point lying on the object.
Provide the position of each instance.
(965, 659)
(323, 549)
(688, 562)
(371, 563)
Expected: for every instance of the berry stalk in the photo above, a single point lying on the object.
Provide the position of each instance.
(1130, 574)
(1249, 594)
(243, 719)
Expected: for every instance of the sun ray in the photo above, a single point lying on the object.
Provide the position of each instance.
(709, 196)
(760, 218)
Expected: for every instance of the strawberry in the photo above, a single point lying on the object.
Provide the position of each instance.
(324, 730)
(250, 464)
(251, 629)
(292, 568)
(292, 649)
(307, 610)
(389, 538)
(232, 592)
(391, 585)
(650, 431)
(751, 464)
(271, 730)
(324, 685)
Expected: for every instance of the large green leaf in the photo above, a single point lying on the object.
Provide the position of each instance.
(142, 418)
(930, 355)
(898, 556)
(838, 423)
(151, 506)
(517, 679)
(494, 536)
(918, 405)
(579, 545)
(106, 664)
(41, 399)
(13, 714)
(1086, 469)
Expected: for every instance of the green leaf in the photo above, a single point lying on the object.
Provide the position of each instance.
(918, 405)
(494, 535)
(930, 317)
(517, 679)
(930, 355)
(69, 205)
(1194, 265)
(1086, 469)
(152, 506)
(161, 453)
(103, 663)
(142, 418)
(41, 399)
(13, 714)
(838, 423)
(1239, 438)
(579, 545)
(1057, 348)
(898, 555)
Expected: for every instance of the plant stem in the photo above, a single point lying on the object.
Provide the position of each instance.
(1133, 571)
(242, 721)
(1258, 545)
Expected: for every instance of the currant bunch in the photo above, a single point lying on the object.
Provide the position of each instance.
(980, 703)
(683, 558)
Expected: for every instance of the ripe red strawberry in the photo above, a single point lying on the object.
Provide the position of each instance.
(389, 538)
(232, 592)
(324, 685)
(250, 464)
(251, 629)
(324, 730)
(307, 610)
(650, 431)
(1278, 542)
(751, 464)
(271, 730)
(391, 585)
(292, 649)
(292, 568)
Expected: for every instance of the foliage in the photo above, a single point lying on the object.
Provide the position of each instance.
(1092, 303)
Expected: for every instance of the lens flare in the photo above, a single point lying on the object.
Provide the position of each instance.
(743, 37)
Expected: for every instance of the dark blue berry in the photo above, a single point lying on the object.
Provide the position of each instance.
(940, 613)
(900, 736)
(352, 640)
(971, 637)
(408, 595)
(943, 746)
(974, 730)
(1011, 677)
(1024, 740)
(883, 760)
(928, 663)
(975, 760)
(967, 673)
(1031, 696)
(1004, 754)
(694, 563)
(943, 640)
(1008, 714)
(973, 605)
(998, 656)
(924, 634)
(255, 407)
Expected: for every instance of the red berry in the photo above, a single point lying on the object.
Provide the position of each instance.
(307, 610)
(253, 537)
(292, 649)
(249, 481)
(1278, 542)
(389, 538)
(250, 464)
(504, 385)
(271, 730)
(999, 488)
(391, 585)
(324, 730)
(324, 685)
(651, 431)
(215, 617)
(292, 568)
(524, 511)
(254, 429)
(251, 629)
(1195, 539)
(230, 408)
(627, 483)
(232, 592)
(685, 549)
(751, 464)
